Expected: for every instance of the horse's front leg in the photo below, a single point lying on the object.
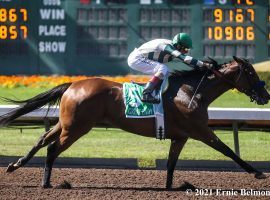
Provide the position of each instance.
(209, 138)
(175, 149)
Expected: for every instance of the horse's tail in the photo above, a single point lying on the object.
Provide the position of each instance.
(49, 97)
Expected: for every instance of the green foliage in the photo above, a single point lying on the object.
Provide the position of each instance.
(115, 143)
(235, 99)
(19, 93)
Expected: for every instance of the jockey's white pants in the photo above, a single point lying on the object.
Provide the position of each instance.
(138, 62)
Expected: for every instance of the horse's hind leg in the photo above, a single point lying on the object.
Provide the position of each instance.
(51, 156)
(213, 141)
(66, 139)
(43, 141)
(175, 149)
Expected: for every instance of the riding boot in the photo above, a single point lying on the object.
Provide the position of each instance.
(149, 88)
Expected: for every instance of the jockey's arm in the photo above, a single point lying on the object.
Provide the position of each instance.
(186, 59)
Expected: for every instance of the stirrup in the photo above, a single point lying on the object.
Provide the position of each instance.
(148, 98)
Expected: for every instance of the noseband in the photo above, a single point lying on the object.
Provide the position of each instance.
(252, 91)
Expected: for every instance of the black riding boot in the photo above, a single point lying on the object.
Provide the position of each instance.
(147, 93)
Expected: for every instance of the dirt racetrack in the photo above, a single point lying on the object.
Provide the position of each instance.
(131, 184)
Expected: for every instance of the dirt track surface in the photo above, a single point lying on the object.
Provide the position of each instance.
(126, 184)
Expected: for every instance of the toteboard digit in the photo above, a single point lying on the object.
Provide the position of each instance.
(95, 36)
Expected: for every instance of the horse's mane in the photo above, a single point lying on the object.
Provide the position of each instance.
(194, 72)
(177, 73)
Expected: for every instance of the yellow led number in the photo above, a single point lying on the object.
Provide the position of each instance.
(8, 30)
(11, 15)
(247, 2)
(218, 14)
(232, 32)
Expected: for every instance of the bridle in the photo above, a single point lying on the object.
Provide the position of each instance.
(252, 92)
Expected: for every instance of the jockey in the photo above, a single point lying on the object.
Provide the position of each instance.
(150, 57)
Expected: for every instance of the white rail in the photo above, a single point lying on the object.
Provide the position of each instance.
(218, 117)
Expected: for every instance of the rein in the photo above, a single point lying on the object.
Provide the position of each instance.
(220, 75)
(251, 93)
(197, 89)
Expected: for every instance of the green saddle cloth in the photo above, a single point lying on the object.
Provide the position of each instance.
(135, 108)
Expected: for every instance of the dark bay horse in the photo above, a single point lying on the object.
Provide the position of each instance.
(85, 103)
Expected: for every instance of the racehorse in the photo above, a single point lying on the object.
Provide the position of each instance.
(87, 102)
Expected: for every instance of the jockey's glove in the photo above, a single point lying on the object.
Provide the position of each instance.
(207, 65)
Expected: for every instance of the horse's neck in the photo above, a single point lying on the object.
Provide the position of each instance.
(209, 90)
(215, 89)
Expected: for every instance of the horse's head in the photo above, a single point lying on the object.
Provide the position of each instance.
(245, 79)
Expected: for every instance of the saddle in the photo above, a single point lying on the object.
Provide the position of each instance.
(135, 108)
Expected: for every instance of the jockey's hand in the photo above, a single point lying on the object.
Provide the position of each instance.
(207, 65)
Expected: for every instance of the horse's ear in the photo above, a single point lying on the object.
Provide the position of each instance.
(214, 62)
(211, 60)
(238, 60)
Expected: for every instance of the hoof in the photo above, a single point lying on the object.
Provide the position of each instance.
(187, 186)
(47, 186)
(64, 185)
(168, 186)
(10, 168)
(260, 175)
